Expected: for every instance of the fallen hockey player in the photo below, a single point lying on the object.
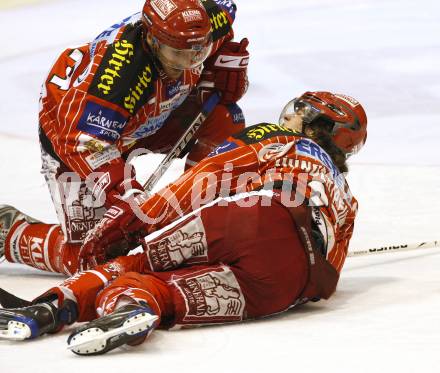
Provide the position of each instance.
(280, 241)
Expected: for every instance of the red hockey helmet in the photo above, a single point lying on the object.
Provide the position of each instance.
(181, 30)
(346, 115)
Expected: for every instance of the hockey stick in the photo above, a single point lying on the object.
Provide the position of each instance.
(207, 108)
(390, 249)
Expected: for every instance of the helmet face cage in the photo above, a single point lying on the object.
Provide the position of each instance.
(299, 107)
(341, 117)
(182, 59)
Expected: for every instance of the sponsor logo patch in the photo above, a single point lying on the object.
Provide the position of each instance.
(123, 52)
(99, 158)
(126, 74)
(155, 123)
(263, 131)
(218, 16)
(192, 15)
(237, 113)
(140, 90)
(31, 249)
(228, 6)
(173, 89)
(309, 148)
(104, 123)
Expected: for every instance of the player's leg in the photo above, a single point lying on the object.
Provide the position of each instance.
(255, 266)
(259, 244)
(130, 308)
(9, 216)
(53, 247)
(73, 300)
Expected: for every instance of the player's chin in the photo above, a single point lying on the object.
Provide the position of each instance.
(174, 73)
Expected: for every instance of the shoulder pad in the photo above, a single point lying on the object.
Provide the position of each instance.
(263, 131)
(126, 74)
(110, 34)
(221, 14)
(228, 6)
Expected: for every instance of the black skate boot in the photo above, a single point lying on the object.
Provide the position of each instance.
(8, 217)
(28, 322)
(130, 324)
(37, 319)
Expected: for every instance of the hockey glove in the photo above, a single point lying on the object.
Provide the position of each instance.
(111, 237)
(226, 72)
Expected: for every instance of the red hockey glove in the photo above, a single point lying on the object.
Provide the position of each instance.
(226, 72)
(112, 233)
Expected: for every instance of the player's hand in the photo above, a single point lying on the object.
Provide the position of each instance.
(118, 231)
(226, 72)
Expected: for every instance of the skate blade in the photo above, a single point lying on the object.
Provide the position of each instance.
(16, 331)
(95, 340)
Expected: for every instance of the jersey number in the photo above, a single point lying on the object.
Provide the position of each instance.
(63, 83)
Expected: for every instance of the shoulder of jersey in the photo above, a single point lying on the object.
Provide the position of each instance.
(263, 131)
(222, 15)
(126, 73)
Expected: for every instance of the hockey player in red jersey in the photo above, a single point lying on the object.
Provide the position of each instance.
(136, 85)
(280, 240)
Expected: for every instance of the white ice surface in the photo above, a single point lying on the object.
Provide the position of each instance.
(385, 316)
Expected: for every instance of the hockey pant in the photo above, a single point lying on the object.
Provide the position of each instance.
(227, 264)
(55, 248)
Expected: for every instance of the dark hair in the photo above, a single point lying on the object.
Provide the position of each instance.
(319, 131)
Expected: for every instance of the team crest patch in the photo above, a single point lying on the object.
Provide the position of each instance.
(211, 295)
(274, 151)
(163, 7)
(186, 245)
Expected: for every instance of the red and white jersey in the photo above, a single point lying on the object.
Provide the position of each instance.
(263, 156)
(101, 98)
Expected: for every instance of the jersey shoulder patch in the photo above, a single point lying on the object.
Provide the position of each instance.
(126, 74)
(109, 35)
(222, 15)
(263, 131)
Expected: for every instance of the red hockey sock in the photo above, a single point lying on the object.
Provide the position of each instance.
(37, 245)
(137, 288)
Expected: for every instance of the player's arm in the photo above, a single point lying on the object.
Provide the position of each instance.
(226, 68)
(338, 255)
(200, 185)
(87, 128)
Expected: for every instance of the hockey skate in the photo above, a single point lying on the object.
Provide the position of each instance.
(8, 217)
(130, 324)
(18, 324)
